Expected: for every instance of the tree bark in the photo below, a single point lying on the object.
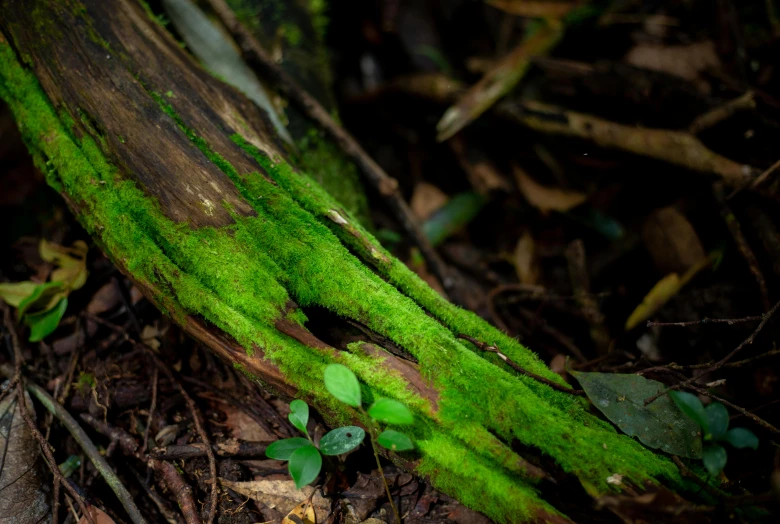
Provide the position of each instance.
(186, 187)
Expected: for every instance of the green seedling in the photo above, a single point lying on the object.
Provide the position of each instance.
(342, 383)
(714, 423)
(304, 459)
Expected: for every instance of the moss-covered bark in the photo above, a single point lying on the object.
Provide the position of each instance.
(183, 184)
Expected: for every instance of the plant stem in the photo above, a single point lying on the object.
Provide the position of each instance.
(371, 433)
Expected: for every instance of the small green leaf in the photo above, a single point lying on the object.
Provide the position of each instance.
(282, 449)
(390, 411)
(43, 324)
(341, 440)
(299, 415)
(14, 292)
(395, 440)
(741, 438)
(717, 419)
(43, 298)
(343, 384)
(305, 464)
(659, 425)
(714, 458)
(692, 407)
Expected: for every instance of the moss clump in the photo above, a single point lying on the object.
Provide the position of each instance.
(240, 278)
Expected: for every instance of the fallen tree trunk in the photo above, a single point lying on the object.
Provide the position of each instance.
(186, 187)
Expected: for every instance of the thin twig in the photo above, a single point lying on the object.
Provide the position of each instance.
(196, 416)
(724, 360)
(686, 472)
(728, 365)
(729, 321)
(763, 176)
(518, 368)
(152, 408)
(65, 418)
(722, 112)
(755, 418)
(387, 186)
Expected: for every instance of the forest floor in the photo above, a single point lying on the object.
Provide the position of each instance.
(605, 246)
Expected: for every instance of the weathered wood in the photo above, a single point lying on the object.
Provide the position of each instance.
(184, 184)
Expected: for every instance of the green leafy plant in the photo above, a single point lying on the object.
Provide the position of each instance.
(41, 306)
(714, 423)
(342, 383)
(304, 459)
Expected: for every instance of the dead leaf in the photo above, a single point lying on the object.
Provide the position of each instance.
(105, 299)
(672, 241)
(533, 9)
(664, 290)
(544, 198)
(280, 495)
(685, 61)
(482, 174)
(72, 262)
(14, 292)
(303, 513)
(426, 199)
(24, 491)
(498, 81)
(525, 260)
(661, 293)
(97, 515)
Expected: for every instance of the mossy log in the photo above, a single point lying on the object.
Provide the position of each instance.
(184, 185)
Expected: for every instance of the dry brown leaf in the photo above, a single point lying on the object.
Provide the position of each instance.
(685, 61)
(25, 494)
(303, 513)
(534, 9)
(482, 174)
(426, 200)
(525, 260)
(672, 241)
(280, 495)
(98, 516)
(545, 198)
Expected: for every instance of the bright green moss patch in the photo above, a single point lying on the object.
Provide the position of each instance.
(240, 278)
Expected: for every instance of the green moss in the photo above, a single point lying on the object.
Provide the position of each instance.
(241, 276)
(326, 164)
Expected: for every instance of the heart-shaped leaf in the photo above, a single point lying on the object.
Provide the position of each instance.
(659, 425)
(395, 440)
(304, 465)
(714, 458)
(299, 414)
(741, 438)
(343, 384)
(692, 407)
(341, 440)
(282, 449)
(717, 420)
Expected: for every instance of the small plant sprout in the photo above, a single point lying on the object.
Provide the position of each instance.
(714, 423)
(342, 383)
(304, 459)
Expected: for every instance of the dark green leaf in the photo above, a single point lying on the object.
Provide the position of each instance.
(299, 414)
(717, 420)
(282, 449)
(741, 438)
(343, 384)
(341, 440)
(390, 411)
(43, 324)
(692, 407)
(659, 425)
(395, 440)
(714, 458)
(305, 464)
